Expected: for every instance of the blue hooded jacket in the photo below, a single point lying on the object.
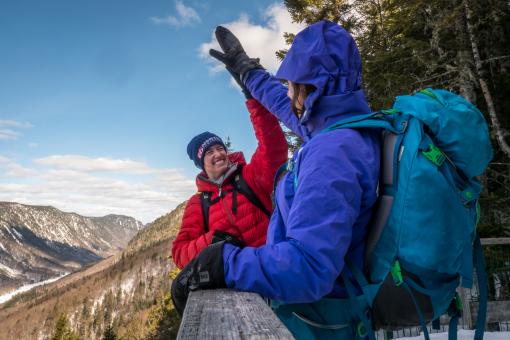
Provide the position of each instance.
(324, 204)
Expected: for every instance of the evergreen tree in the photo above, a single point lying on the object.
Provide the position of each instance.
(109, 333)
(163, 321)
(459, 45)
(108, 307)
(63, 330)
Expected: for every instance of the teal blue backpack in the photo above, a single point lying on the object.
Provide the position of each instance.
(422, 243)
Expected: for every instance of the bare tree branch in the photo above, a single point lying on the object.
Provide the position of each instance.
(500, 132)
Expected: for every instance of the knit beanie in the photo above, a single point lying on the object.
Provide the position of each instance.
(199, 145)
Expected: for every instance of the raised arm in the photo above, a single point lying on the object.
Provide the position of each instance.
(271, 152)
(273, 95)
(248, 72)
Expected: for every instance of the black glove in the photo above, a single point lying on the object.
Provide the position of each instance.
(234, 57)
(237, 78)
(205, 271)
(220, 236)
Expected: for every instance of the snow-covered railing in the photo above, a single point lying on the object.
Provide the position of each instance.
(229, 314)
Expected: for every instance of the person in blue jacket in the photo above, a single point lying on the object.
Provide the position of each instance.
(323, 204)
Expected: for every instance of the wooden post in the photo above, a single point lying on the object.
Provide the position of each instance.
(467, 317)
(229, 314)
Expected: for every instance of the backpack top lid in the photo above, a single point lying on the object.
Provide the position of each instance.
(457, 127)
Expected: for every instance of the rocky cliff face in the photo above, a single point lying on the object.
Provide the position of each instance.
(40, 242)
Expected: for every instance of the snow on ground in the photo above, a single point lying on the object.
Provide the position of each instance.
(10, 295)
(463, 334)
(9, 271)
(127, 286)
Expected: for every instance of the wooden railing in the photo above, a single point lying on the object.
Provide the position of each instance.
(229, 314)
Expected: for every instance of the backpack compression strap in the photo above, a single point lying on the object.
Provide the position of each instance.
(241, 186)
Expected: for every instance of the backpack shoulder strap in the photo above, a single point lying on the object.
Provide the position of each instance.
(384, 119)
(243, 187)
(205, 203)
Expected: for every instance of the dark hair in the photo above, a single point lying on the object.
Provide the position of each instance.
(295, 90)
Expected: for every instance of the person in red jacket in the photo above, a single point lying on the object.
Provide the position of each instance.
(231, 215)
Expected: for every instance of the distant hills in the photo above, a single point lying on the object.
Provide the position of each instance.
(127, 291)
(41, 242)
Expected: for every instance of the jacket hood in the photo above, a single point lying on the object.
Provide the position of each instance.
(203, 182)
(326, 56)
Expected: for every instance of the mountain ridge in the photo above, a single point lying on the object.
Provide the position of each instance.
(40, 242)
(125, 290)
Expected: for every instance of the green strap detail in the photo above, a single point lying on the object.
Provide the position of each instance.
(361, 330)
(435, 155)
(468, 195)
(458, 302)
(429, 93)
(390, 111)
(396, 273)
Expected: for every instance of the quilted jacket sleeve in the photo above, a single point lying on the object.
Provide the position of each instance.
(271, 152)
(192, 237)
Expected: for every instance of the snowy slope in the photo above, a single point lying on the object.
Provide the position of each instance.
(40, 242)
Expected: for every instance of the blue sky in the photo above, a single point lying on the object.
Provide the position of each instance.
(99, 98)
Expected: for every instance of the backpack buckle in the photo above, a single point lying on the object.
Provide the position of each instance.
(435, 155)
(361, 330)
(396, 273)
(455, 308)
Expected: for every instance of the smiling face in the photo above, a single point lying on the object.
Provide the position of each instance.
(216, 161)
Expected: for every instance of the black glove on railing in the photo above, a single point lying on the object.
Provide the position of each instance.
(219, 236)
(205, 271)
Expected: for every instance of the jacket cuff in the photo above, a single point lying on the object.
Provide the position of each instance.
(229, 250)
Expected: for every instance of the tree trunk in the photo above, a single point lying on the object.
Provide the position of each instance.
(466, 80)
(500, 132)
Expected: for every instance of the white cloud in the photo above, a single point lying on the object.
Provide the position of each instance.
(95, 186)
(259, 41)
(7, 134)
(87, 164)
(12, 169)
(185, 16)
(8, 129)
(17, 170)
(15, 124)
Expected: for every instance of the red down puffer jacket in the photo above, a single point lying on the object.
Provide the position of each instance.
(249, 223)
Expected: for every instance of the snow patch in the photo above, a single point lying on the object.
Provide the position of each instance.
(9, 271)
(463, 334)
(97, 302)
(12, 235)
(10, 295)
(127, 286)
(17, 234)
